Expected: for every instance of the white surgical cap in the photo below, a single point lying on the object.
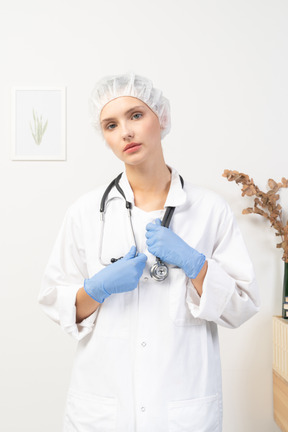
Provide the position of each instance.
(115, 86)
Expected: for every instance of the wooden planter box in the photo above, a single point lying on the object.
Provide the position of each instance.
(280, 372)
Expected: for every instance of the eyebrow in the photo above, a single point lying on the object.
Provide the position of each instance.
(126, 113)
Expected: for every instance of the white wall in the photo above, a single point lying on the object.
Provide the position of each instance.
(224, 66)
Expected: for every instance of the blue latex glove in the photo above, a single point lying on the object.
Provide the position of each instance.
(121, 276)
(170, 248)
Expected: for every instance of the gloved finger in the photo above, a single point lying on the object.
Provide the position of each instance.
(141, 257)
(152, 227)
(157, 222)
(149, 242)
(149, 234)
(131, 253)
(152, 250)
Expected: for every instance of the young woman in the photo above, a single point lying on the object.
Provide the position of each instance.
(143, 287)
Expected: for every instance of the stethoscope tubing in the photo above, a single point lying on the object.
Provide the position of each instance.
(159, 270)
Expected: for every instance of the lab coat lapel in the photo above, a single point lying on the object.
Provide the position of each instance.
(176, 195)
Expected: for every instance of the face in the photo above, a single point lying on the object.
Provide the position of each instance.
(131, 129)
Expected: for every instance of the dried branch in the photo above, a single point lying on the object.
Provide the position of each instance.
(265, 204)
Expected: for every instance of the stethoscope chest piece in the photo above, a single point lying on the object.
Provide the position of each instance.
(159, 271)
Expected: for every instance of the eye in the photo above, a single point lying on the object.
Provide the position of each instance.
(111, 126)
(137, 116)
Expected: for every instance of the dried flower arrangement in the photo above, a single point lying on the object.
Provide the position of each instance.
(265, 204)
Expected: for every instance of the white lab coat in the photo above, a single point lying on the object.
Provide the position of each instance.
(148, 360)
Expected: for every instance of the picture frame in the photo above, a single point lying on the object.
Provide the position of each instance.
(38, 123)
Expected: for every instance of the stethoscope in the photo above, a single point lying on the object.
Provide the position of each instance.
(159, 270)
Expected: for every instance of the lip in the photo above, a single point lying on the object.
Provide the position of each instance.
(131, 147)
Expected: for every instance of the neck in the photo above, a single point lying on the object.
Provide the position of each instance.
(150, 184)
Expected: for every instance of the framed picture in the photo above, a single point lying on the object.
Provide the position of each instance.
(39, 123)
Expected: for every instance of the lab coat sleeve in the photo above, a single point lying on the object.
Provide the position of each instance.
(64, 275)
(230, 293)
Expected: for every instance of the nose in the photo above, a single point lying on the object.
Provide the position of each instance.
(127, 133)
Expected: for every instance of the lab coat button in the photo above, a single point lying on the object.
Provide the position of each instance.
(143, 344)
(145, 279)
(143, 409)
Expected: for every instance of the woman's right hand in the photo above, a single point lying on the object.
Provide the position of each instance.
(121, 276)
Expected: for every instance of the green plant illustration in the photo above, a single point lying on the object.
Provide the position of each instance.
(39, 127)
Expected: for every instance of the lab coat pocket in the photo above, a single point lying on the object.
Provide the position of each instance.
(199, 415)
(179, 311)
(90, 413)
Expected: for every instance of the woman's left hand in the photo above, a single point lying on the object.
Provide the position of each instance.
(170, 248)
